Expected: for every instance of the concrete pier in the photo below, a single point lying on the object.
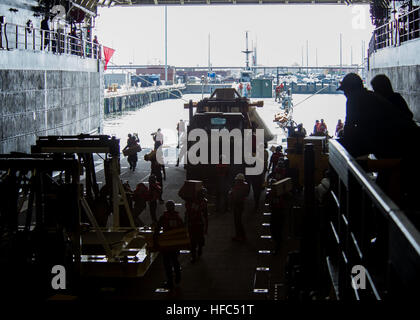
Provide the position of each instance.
(303, 88)
(134, 98)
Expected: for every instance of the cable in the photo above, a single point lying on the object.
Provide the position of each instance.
(310, 96)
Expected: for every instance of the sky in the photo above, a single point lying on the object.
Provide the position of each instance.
(279, 31)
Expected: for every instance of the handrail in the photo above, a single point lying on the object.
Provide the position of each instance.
(363, 212)
(396, 31)
(35, 39)
(384, 203)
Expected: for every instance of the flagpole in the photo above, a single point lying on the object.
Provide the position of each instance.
(166, 45)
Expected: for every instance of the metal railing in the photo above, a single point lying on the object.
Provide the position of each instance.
(13, 36)
(368, 231)
(396, 31)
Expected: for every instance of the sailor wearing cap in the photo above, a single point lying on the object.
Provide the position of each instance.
(372, 123)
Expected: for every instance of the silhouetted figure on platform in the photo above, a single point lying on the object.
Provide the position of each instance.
(382, 85)
(374, 125)
(45, 33)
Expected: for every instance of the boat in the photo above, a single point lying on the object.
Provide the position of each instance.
(244, 84)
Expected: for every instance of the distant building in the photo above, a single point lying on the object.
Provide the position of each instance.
(116, 78)
(157, 70)
(199, 73)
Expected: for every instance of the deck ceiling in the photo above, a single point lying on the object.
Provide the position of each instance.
(111, 3)
(90, 6)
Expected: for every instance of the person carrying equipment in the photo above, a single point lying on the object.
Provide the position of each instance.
(278, 92)
(156, 169)
(275, 158)
(140, 196)
(132, 147)
(238, 194)
(168, 221)
(322, 129)
(196, 218)
(155, 192)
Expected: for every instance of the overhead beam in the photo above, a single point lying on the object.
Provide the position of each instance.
(231, 67)
(90, 5)
(222, 2)
(82, 8)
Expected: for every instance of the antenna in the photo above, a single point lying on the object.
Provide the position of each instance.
(247, 52)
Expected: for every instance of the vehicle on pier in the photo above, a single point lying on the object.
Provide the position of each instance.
(225, 109)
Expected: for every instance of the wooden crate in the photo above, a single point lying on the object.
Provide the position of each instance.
(282, 186)
(321, 164)
(175, 239)
(318, 142)
(296, 161)
(295, 143)
(132, 150)
(190, 189)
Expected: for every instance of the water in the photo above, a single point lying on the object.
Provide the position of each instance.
(167, 113)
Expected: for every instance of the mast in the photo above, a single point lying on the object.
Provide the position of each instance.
(209, 54)
(166, 45)
(247, 52)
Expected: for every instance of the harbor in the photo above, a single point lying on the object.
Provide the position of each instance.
(229, 168)
(134, 98)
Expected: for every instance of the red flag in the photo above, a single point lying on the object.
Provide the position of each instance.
(108, 52)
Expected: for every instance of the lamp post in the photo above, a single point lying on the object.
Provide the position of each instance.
(202, 87)
(341, 56)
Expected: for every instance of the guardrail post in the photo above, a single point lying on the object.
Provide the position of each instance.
(309, 167)
(310, 221)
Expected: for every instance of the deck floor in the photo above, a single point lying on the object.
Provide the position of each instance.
(227, 270)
